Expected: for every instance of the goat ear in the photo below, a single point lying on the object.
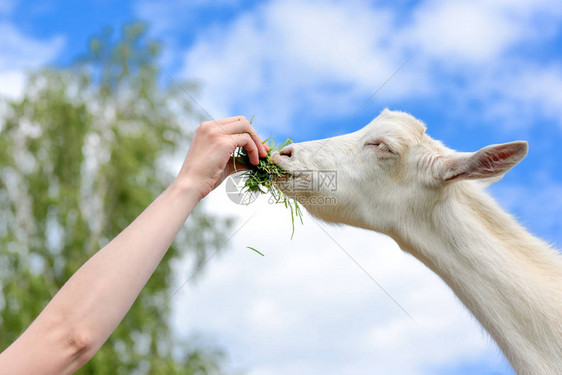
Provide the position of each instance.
(489, 163)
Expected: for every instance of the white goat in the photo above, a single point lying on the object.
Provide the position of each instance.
(394, 179)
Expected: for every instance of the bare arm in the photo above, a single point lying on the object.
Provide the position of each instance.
(86, 310)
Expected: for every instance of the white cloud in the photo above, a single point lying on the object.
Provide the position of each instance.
(306, 308)
(532, 89)
(455, 32)
(475, 32)
(178, 13)
(287, 59)
(479, 43)
(291, 57)
(20, 53)
(12, 84)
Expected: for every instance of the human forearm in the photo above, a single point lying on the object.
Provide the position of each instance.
(91, 304)
(86, 310)
(110, 281)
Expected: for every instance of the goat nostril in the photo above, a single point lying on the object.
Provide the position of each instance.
(287, 151)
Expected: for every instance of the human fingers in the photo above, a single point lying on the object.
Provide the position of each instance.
(244, 126)
(246, 141)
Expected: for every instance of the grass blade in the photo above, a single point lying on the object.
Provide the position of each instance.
(262, 177)
(251, 248)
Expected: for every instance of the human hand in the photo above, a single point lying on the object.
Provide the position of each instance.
(209, 159)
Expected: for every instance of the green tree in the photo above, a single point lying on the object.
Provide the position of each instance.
(83, 152)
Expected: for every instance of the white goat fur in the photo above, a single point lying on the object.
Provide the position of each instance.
(394, 179)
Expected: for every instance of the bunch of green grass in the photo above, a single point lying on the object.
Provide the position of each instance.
(262, 178)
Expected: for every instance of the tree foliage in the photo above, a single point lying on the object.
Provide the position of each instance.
(83, 152)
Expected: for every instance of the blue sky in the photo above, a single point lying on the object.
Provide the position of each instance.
(481, 72)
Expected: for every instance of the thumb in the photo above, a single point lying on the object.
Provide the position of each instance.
(230, 168)
(233, 166)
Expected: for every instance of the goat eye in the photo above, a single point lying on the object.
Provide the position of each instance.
(379, 144)
(383, 146)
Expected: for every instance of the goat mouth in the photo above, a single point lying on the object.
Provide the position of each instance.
(292, 173)
(289, 173)
(285, 165)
